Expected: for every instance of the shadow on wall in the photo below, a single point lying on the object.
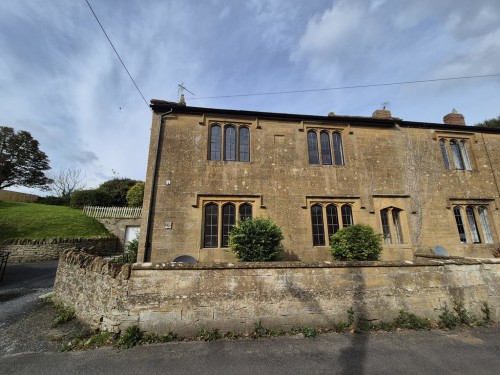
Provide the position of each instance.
(352, 358)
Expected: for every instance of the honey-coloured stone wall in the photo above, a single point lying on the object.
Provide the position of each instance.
(389, 163)
(184, 298)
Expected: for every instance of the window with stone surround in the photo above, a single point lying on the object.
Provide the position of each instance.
(229, 142)
(473, 224)
(219, 217)
(329, 151)
(392, 227)
(455, 153)
(328, 218)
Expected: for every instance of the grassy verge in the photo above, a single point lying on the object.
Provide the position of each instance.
(38, 221)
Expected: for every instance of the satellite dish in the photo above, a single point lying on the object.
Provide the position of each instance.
(185, 259)
(440, 250)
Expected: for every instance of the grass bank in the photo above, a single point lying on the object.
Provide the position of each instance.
(34, 221)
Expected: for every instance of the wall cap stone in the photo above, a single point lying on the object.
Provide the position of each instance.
(326, 264)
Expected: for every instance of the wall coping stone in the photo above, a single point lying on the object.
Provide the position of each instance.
(49, 241)
(326, 264)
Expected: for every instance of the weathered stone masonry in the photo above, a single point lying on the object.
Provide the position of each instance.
(185, 298)
(40, 250)
(422, 172)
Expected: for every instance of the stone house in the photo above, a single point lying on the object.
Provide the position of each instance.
(419, 184)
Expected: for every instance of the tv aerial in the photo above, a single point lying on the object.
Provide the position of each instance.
(181, 88)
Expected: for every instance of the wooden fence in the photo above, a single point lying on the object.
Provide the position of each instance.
(115, 212)
(14, 196)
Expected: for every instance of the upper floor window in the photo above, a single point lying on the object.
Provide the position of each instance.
(328, 141)
(233, 145)
(392, 227)
(470, 229)
(218, 220)
(333, 222)
(458, 149)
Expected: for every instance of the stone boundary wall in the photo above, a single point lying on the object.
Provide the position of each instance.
(14, 196)
(40, 250)
(117, 226)
(233, 297)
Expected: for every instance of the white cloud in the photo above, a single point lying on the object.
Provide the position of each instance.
(61, 80)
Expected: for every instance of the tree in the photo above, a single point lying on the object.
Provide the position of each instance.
(356, 242)
(256, 240)
(67, 181)
(491, 123)
(135, 195)
(93, 197)
(22, 163)
(117, 188)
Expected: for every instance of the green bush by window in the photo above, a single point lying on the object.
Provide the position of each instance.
(356, 242)
(256, 240)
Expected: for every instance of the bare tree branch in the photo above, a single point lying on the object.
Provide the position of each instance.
(67, 181)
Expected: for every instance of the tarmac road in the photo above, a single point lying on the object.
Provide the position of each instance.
(22, 284)
(25, 347)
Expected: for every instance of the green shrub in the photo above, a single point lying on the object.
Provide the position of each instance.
(131, 337)
(256, 240)
(135, 195)
(55, 201)
(130, 255)
(447, 319)
(90, 198)
(64, 314)
(356, 242)
(117, 189)
(408, 320)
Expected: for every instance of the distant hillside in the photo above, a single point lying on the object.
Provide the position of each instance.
(38, 221)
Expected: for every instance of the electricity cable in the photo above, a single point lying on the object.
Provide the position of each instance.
(346, 87)
(117, 54)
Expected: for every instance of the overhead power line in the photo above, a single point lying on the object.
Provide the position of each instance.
(346, 87)
(117, 54)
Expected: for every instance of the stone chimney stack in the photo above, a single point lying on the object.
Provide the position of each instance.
(454, 118)
(182, 100)
(382, 113)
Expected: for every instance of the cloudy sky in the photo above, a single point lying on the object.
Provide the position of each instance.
(60, 79)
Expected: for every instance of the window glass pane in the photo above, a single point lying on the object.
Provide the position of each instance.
(215, 142)
(385, 226)
(312, 145)
(398, 231)
(210, 230)
(465, 155)
(326, 155)
(332, 219)
(460, 224)
(457, 157)
(230, 143)
(337, 149)
(317, 226)
(228, 222)
(245, 211)
(472, 224)
(244, 144)
(346, 215)
(483, 218)
(444, 152)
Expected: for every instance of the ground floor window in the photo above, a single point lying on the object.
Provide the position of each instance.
(218, 220)
(328, 219)
(473, 224)
(392, 228)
